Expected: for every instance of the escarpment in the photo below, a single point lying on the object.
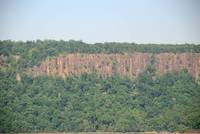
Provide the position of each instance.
(104, 64)
(166, 62)
(130, 64)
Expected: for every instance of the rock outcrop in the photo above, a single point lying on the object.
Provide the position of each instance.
(123, 64)
(18, 77)
(166, 62)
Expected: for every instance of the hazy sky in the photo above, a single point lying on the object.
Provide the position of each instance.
(140, 21)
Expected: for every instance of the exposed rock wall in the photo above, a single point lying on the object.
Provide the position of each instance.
(104, 64)
(122, 64)
(175, 62)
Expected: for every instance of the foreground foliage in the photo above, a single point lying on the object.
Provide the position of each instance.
(92, 103)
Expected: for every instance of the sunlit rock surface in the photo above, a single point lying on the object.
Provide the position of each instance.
(130, 64)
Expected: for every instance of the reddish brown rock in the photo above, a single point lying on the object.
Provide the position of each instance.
(175, 62)
(122, 64)
(104, 64)
(18, 77)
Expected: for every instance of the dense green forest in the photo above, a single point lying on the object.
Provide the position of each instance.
(89, 102)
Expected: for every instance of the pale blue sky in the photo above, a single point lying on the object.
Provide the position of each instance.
(140, 21)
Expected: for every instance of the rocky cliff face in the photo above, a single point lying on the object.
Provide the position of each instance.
(122, 64)
(166, 62)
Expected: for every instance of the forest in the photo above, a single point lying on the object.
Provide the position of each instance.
(90, 102)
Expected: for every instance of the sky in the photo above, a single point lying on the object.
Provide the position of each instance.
(139, 21)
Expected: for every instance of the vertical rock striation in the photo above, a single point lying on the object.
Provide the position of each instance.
(123, 64)
(104, 64)
(166, 62)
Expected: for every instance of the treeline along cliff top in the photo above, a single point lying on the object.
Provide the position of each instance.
(72, 86)
(31, 52)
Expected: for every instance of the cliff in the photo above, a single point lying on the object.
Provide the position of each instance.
(123, 64)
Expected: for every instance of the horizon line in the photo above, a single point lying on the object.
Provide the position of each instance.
(103, 42)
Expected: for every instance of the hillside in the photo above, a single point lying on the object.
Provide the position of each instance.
(72, 86)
